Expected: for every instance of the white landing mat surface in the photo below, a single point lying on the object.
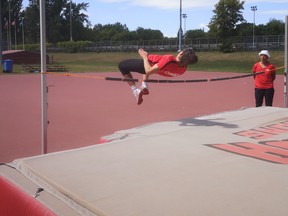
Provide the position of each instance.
(226, 164)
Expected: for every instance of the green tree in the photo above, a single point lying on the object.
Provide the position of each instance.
(32, 23)
(275, 27)
(15, 19)
(227, 15)
(109, 32)
(57, 20)
(120, 32)
(54, 25)
(261, 30)
(80, 21)
(127, 36)
(244, 29)
(149, 34)
(196, 33)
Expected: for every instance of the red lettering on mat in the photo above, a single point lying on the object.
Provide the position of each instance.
(273, 151)
(278, 144)
(254, 134)
(265, 132)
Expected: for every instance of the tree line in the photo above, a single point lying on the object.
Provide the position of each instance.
(227, 22)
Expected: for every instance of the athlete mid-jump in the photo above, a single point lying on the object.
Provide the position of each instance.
(165, 65)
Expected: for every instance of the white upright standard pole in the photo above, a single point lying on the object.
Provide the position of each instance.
(1, 48)
(43, 76)
(286, 62)
(180, 29)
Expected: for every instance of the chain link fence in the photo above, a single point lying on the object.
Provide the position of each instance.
(274, 42)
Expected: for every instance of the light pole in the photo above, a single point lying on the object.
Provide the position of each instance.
(23, 39)
(9, 26)
(180, 29)
(254, 8)
(184, 17)
(71, 37)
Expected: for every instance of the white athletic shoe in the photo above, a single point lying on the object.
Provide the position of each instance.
(144, 88)
(138, 95)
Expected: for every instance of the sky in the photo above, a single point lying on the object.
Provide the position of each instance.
(164, 15)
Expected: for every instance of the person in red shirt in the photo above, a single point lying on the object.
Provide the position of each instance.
(264, 87)
(164, 65)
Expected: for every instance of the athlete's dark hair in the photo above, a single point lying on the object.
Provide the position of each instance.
(188, 57)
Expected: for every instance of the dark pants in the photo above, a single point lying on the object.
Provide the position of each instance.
(260, 94)
(131, 65)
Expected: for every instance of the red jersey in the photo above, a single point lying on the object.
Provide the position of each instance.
(265, 80)
(167, 65)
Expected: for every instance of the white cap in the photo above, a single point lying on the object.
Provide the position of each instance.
(264, 52)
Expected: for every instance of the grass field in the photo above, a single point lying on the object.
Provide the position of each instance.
(208, 61)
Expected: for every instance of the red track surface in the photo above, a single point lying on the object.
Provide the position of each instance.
(82, 110)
